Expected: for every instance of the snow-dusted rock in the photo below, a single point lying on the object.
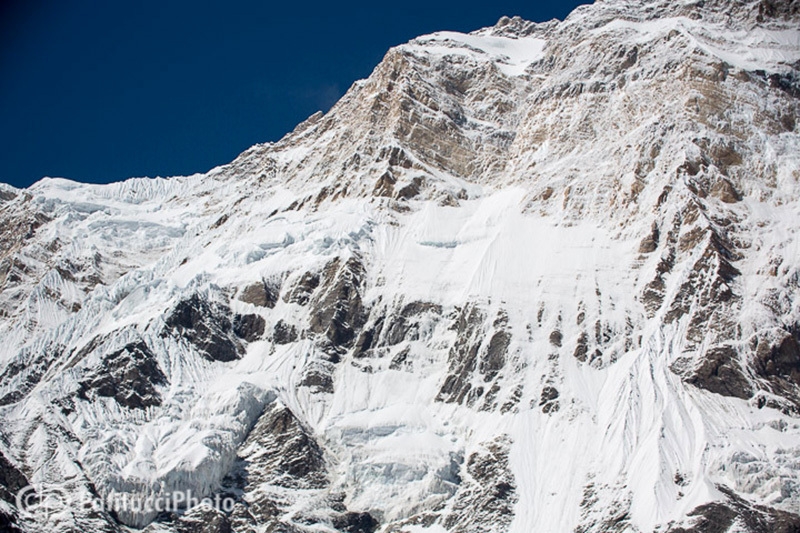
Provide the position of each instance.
(541, 277)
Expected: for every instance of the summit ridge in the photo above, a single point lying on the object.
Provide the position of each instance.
(538, 277)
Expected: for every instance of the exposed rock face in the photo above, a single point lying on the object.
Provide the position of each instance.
(719, 372)
(478, 355)
(541, 277)
(407, 326)
(301, 291)
(356, 523)
(280, 454)
(337, 309)
(208, 327)
(279, 451)
(203, 520)
(464, 355)
(11, 480)
(129, 375)
(735, 512)
(486, 498)
(249, 327)
(261, 294)
(22, 374)
(781, 360)
(394, 329)
(284, 333)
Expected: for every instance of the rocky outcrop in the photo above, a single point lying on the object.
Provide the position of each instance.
(279, 451)
(200, 520)
(485, 500)
(469, 327)
(781, 360)
(284, 333)
(261, 294)
(131, 375)
(499, 276)
(8, 523)
(475, 358)
(719, 371)
(280, 454)
(301, 291)
(249, 327)
(776, 363)
(736, 512)
(336, 314)
(397, 326)
(355, 523)
(408, 323)
(12, 480)
(337, 310)
(207, 326)
(22, 374)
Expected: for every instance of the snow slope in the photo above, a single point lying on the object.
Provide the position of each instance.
(540, 277)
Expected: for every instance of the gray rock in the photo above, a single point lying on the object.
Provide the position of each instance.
(130, 375)
(206, 326)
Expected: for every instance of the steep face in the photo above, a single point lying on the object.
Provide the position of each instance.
(541, 277)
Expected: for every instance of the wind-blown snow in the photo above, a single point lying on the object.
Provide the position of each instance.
(574, 166)
(747, 49)
(512, 56)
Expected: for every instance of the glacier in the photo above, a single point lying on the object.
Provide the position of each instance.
(539, 277)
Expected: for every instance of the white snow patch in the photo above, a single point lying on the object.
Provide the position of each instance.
(512, 56)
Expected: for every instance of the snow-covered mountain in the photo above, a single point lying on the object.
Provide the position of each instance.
(537, 278)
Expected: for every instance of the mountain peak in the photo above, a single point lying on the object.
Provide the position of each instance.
(537, 277)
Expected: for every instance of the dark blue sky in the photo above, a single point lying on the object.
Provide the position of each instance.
(105, 90)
